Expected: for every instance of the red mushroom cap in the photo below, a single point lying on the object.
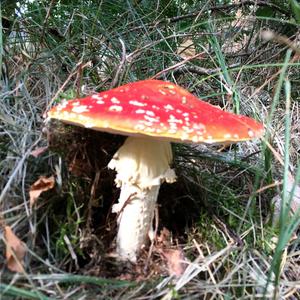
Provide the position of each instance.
(158, 109)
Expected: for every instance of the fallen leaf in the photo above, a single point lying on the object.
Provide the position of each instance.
(38, 151)
(176, 261)
(43, 184)
(15, 251)
(186, 49)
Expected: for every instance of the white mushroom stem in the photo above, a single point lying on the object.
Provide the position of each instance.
(142, 164)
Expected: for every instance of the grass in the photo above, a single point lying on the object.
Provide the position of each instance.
(219, 213)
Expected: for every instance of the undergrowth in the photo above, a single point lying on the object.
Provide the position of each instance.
(243, 57)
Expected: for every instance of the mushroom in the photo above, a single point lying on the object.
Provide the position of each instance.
(152, 114)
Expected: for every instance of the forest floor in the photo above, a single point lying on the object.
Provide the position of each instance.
(226, 229)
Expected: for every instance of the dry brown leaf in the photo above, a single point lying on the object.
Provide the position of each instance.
(186, 49)
(38, 151)
(176, 261)
(43, 184)
(15, 251)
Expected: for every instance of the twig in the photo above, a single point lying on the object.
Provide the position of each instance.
(216, 7)
(180, 64)
(228, 231)
(122, 63)
(71, 250)
(281, 39)
(78, 65)
(153, 240)
(128, 200)
(180, 68)
(46, 20)
(135, 52)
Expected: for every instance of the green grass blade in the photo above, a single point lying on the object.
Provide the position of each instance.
(9, 290)
(267, 152)
(221, 60)
(284, 211)
(70, 278)
(286, 225)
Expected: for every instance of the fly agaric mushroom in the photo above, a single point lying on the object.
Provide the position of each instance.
(152, 113)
